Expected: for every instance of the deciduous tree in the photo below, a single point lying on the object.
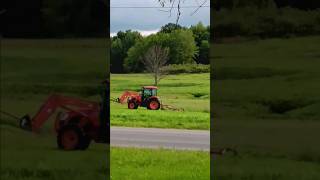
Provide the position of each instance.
(154, 59)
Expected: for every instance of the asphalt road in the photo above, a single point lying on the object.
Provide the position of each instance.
(160, 138)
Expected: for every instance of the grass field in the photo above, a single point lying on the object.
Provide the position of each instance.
(190, 92)
(266, 100)
(30, 71)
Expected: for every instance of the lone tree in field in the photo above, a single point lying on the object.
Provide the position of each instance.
(154, 60)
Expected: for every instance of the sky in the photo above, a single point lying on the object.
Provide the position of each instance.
(149, 20)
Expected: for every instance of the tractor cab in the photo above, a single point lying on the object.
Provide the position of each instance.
(146, 98)
(148, 91)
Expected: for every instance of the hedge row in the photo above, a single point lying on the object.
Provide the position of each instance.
(186, 68)
(266, 23)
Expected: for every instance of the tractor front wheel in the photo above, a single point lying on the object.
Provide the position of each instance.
(153, 104)
(71, 138)
(132, 105)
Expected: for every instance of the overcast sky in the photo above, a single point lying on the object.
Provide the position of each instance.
(149, 20)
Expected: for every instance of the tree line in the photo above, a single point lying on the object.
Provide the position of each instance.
(265, 18)
(299, 4)
(186, 45)
(54, 18)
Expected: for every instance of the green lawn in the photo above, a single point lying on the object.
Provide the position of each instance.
(162, 164)
(177, 90)
(266, 103)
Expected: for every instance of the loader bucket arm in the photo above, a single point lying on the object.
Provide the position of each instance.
(123, 98)
(56, 101)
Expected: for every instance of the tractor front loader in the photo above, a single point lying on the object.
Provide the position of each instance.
(79, 122)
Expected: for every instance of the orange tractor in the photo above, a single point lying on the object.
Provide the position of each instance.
(79, 122)
(147, 97)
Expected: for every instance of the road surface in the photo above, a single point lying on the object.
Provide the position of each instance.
(160, 138)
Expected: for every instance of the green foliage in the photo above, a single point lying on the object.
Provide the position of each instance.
(200, 33)
(133, 62)
(120, 44)
(186, 68)
(170, 27)
(186, 45)
(181, 46)
(204, 52)
(202, 37)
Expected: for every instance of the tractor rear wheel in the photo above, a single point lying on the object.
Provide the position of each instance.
(86, 142)
(71, 138)
(132, 105)
(153, 104)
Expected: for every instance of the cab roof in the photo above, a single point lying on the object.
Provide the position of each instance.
(150, 87)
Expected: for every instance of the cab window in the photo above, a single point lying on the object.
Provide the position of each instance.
(147, 92)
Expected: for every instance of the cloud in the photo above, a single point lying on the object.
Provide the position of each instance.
(142, 32)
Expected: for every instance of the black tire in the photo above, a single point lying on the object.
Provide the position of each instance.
(153, 101)
(25, 123)
(85, 144)
(132, 105)
(71, 137)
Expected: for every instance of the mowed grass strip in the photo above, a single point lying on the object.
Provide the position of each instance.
(159, 119)
(159, 164)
